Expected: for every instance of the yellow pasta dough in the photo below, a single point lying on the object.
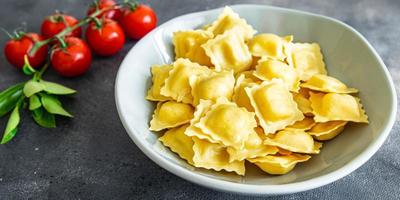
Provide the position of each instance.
(228, 52)
(230, 20)
(187, 45)
(240, 96)
(306, 58)
(179, 143)
(214, 156)
(212, 86)
(327, 130)
(274, 105)
(269, 45)
(279, 164)
(268, 69)
(303, 102)
(295, 141)
(227, 123)
(253, 147)
(332, 107)
(177, 84)
(160, 73)
(170, 114)
(306, 124)
(325, 83)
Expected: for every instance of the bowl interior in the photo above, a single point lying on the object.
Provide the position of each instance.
(347, 56)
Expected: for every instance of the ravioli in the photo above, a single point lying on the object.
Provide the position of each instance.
(177, 84)
(214, 156)
(187, 45)
(212, 86)
(179, 143)
(325, 83)
(295, 141)
(274, 105)
(160, 73)
(253, 147)
(240, 96)
(303, 102)
(306, 124)
(306, 58)
(170, 114)
(268, 69)
(230, 20)
(328, 130)
(227, 123)
(269, 45)
(279, 164)
(334, 107)
(228, 52)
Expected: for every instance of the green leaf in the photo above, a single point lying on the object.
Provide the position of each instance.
(44, 118)
(12, 124)
(9, 98)
(34, 102)
(32, 87)
(27, 68)
(55, 88)
(53, 105)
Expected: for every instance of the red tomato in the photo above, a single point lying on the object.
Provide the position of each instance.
(107, 39)
(16, 49)
(54, 24)
(114, 14)
(138, 21)
(72, 60)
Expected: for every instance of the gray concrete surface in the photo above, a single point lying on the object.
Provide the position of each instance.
(91, 156)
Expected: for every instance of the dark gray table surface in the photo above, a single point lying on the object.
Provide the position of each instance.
(92, 157)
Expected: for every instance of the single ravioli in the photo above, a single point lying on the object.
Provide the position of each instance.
(306, 124)
(227, 123)
(279, 164)
(170, 114)
(306, 58)
(214, 156)
(177, 84)
(229, 20)
(302, 98)
(179, 143)
(228, 52)
(201, 109)
(325, 83)
(269, 45)
(274, 105)
(253, 147)
(328, 130)
(268, 69)
(212, 86)
(187, 45)
(295, 141)
(159, 74)
(240, 96)
(337, 107)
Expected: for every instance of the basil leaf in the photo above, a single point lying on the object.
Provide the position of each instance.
(12, 124)
(55, 88)
(53, 105)
(44, 118)
(9, 98)
(34, 102)
(32, 87)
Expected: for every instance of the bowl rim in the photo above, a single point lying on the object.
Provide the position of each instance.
(252, 189)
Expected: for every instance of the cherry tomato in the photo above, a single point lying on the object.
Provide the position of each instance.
(114, 14)
(17, 48)
(138, 21)
(105, 38)
(73, 59)
(54, 24)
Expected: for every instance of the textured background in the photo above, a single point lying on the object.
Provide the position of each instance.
(91, 156)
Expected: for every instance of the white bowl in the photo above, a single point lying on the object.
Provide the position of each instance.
(348, 56)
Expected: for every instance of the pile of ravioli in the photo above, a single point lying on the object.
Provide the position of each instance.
(232, 96)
